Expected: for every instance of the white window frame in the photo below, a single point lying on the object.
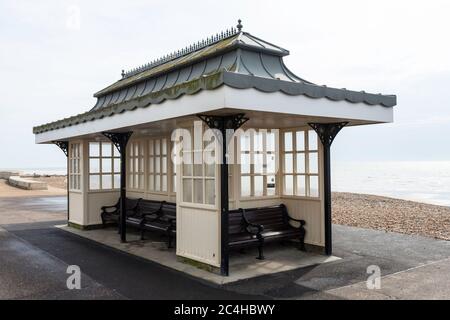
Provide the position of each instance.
(136, 165)
(252, 155)
(307, 172)
(113, 157)
(75, 176)
(152, 154)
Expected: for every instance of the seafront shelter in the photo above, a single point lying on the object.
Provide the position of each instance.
(267, 131)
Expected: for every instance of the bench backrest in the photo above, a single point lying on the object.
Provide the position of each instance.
(236, 223)
(149, 206)
(169, 209)
(272, 218)
(131, 203)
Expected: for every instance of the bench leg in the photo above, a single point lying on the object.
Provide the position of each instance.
(260, 250)
(169, 235)
(302, 239)
(142, 234)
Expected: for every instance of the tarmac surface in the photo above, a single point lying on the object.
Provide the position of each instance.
(34, 256)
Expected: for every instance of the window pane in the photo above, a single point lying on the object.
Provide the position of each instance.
(314, 186)
(116, 152)
(164, 164)
(300, 163)
(312, 140)
(187, 190)
(270, 163)
(136, 164)
(151, 180)
(288, 141)
(94, 149)
(151, 164)
(150, 147)
(301, 186)
(198, 170)
(288, 185)
(157, 147)
(141, 164)
(270, 185)
(106, 165)
(245, 142)
(117, 165)
(116, 181)
(258, 168)
(313, 163)
(94, 165)
(157, 164)
(164, 146)
(259, 186)
(136, 149)
(210, 170)
(94, 182)
(288, 165)
(164, 183)
(106, 149)
(270, 141)
(245, 186)
(174, 184)
(210, 190)
(245, 163)
(136, 181)
(198, 190)
(258, 141)
(300, 140)
(187, 169)
(107, 181)
(157, 182)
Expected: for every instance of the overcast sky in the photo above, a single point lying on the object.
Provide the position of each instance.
(51, 65)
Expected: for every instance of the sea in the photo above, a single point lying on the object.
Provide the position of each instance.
(423, 181)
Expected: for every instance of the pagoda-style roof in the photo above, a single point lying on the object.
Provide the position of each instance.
(233, 58)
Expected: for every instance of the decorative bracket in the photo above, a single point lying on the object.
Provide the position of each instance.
(63, 145)
(119, 139)
(327, 131)
(224, 122)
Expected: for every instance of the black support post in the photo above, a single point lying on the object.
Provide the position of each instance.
(226, 125)
(120, 141)
(327, 132)
(64, 146)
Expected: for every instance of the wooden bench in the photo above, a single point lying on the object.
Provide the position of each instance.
(161, 221)
(145, 207)
(274, 224)
(112, 213)
(242, 234)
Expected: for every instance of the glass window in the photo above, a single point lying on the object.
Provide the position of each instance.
(301, 163)
(104, 166)
(74, 166)
(258, 163)
(136, 165)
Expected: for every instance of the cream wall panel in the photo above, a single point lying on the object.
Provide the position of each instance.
(95, 200)
(198, 234)
(76, 207)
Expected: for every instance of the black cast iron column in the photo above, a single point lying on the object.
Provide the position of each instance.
(64, 146)
(120, 141)
(226, 125)
(327, 132)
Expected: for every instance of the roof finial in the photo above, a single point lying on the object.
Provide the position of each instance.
(123, 73)
(239, 26)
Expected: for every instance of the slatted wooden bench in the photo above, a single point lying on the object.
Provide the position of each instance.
(162, 221)
(112, 213)
(243, 234)
(145, 207)
(274, 224)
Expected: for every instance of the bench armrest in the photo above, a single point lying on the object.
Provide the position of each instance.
(302, 222)
(110, 209)
(249, 226)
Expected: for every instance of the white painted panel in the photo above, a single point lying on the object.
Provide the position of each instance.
(76, 207)
(95, 200)
(311, 212)
(198, 234)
